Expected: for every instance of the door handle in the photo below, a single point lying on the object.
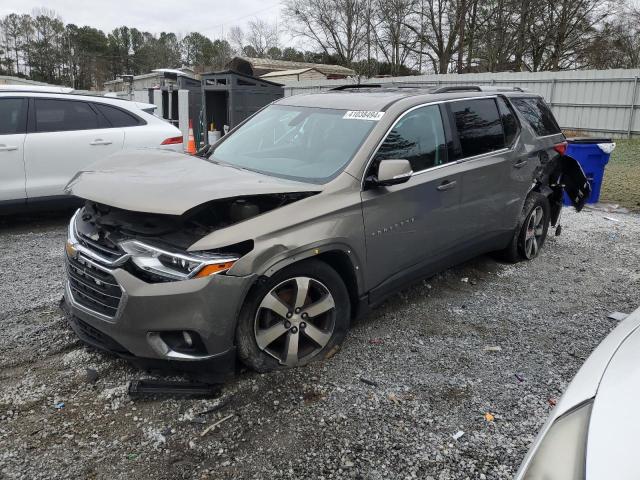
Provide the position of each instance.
(520, 163)
(8, 148)
(99, 141)
(446, 185)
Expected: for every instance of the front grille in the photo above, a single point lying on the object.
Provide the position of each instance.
(102, 247)
(93, 287)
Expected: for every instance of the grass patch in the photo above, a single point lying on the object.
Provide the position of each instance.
(622, 175)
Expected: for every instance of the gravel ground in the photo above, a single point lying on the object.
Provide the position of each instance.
(426, 356)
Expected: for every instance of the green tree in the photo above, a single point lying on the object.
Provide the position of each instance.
(88, 57)
(45, 52)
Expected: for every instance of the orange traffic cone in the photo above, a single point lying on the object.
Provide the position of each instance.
(191, 143)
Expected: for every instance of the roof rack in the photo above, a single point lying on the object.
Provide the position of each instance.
(355, 87)
(436, 89)
(496, 88)
(458, 88)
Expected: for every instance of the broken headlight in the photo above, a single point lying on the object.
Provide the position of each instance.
(176, 266)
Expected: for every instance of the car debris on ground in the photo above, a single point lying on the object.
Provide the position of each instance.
(618, 316)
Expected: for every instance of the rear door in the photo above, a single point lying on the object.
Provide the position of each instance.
(142, 133)
(13, 125)
(65, 136)
(412, 225)
(495, 176)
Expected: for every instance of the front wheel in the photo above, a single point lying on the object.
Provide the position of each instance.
(531, 231)
(294, 317)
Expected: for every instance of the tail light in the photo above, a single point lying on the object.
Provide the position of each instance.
(561, 148)
(172, 141)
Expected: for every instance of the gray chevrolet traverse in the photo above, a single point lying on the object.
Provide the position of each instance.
(313, 210)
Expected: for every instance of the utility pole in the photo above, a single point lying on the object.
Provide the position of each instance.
(368, 38)
(421, 35)
(461, 19)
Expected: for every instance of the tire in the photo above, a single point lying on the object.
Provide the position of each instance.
(527, 242)
(270, 325)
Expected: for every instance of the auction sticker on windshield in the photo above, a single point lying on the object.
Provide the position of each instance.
(363, 115)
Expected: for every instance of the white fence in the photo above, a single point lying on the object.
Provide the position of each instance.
(597, 102)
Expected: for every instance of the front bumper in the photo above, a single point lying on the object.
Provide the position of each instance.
(207, 306)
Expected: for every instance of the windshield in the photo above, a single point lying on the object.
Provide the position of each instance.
(299, 143)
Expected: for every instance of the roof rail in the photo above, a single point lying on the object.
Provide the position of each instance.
(497, 88)
(458, 88)
(359, 85)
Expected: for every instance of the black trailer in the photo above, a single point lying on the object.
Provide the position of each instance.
(230, 97)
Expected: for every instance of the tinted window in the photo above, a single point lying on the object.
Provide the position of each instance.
(61, 115)
(509, 121)
(417, 137)
(538, 115)
(479, 126)
(12, 117)
(116, 116)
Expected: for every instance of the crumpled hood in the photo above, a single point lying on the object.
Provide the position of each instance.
(161, 181)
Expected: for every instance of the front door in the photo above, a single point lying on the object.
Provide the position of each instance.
(13, 124)
(68, 136)
(414, 224)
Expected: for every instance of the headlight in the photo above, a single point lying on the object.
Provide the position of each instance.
(176, 266)
(561, 453)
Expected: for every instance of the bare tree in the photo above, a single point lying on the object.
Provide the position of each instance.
(236, 39)
(262, 36)
(574, 25)
(394, 39)
(617, 43)
(496, 33)
(437, 27)
(335, 26)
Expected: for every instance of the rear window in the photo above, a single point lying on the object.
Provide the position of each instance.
(64, 115)
(12, 116)
(117, 117)
(538, 114)
(479, 126)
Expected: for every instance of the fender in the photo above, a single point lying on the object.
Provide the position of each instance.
(317, 249)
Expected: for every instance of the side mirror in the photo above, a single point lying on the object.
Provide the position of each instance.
(393, 172)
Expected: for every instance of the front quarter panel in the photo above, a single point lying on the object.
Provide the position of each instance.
(330, 220)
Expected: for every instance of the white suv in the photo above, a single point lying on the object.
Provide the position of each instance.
(46, 136)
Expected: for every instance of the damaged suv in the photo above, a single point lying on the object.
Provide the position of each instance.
(313, 210)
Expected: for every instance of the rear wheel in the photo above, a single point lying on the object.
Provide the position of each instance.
(531, 232)
(294, 317)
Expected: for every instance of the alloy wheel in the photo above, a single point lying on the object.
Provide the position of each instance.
(295, 320)
(533, 233)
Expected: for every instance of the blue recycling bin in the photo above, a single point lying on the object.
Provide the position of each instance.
(593, 155)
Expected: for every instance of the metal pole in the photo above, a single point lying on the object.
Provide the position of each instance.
(553, 89)
(170, 103)
(633, 105)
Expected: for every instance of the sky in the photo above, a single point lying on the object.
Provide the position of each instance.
(211, 18)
